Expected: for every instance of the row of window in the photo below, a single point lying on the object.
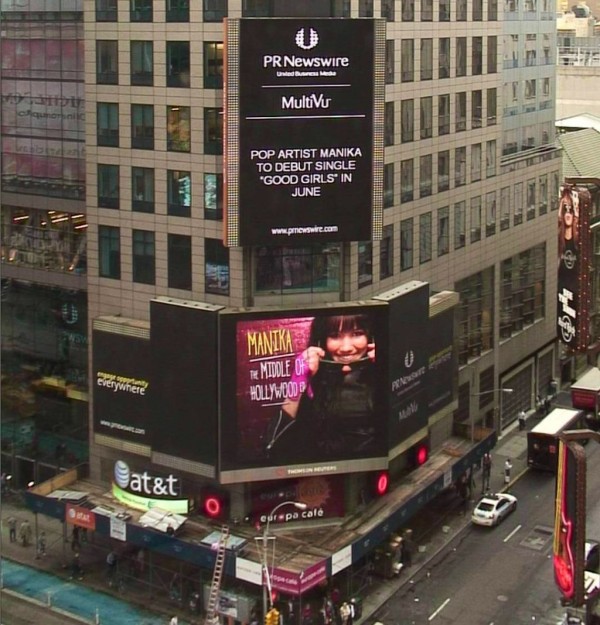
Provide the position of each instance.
(141, 57)
(143, 123)
(426, 12)
(179, 191)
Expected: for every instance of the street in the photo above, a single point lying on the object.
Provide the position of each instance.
(497, 576)
(17, 611)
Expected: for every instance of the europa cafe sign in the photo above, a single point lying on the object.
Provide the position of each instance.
(143, 491)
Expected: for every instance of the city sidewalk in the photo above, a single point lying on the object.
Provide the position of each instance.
(433, 529)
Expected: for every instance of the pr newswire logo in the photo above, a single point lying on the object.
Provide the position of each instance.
(307, 38)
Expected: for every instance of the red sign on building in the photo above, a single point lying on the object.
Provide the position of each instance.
(80, 516)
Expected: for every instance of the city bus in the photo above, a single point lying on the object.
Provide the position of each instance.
(542, 440)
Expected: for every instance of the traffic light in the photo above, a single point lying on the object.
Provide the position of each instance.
(214, 503)
(272, 617)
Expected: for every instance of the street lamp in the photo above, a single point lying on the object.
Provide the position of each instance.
(265, 537)
(500, 391)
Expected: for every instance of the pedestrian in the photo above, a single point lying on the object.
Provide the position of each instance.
(174, 620)
(25, 533)
(41, 546)
(507, 468)
(12, 529)
(522, 418)
(75, 544)
(345, 613)
(3, 483)
(486, 472)
(547, 405)
(76, 570)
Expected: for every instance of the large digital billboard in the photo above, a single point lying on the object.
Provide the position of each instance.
(304, 130)
(409, 353)
(574, 279)
(185, 380)
(121, 385)
(303, 393)
(442, 370)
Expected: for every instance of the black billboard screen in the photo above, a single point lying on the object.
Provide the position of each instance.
(121, 386)
(304, 130)
(309, 392)
(184, 380)
(409, 354)
(442, 370)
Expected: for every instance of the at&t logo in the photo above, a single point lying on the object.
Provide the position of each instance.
(144, 483)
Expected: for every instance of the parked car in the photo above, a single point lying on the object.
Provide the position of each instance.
(491, 509)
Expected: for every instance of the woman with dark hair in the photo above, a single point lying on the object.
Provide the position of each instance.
(328, 413)
(568, 228)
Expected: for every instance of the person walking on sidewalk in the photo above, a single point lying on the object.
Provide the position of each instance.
(507, 468)
(41, 546)
(522, 418)
(12, 529)
(486, 472)
(25, 533)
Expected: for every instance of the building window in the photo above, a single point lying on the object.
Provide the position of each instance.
(386, 253)
(444, 11)
(444, 114)
(389, 123)
(216, 267)
(142, 126)
(213, 131)
(143, 256)
(365, 263)
(177, 11)
(426, 59)
(387, 10)
(140, 10)
(425, 167)
(490, 159)
(492, 7)
(492, 103)
(461, 56)
(365, 8)
(178, 64)
(407, 60)
(477, 10)
(531, 202)
(389, 61)
(522, 290)
(213, 196)
(477, 56)
(179, 193)
(460, 166)
(179, 258)
(388, 185)
(490, 214)
(444, 58)
(424, 238)
(427, 10)
(178, 129)
(142, 189)
(518, 219)
(476, 108)
(408, 10)
(461, 11)
(213, 65)
(408, 121)
(107, 120)
(106, 11)
(443, 233)
(504, 208)
(108, 186)
(107, 65)
(214, 10)
(543, 200)
(426, 117)
(475, 219)
(460, 111)
(492, 55)
(407, 180)
(475, 315)
(109, 252)
(460, 224)
(443, 170)
(406, 244)
(310, 269)
(142, 63)
(476, 162)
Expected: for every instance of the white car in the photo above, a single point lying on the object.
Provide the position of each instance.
(491, 509)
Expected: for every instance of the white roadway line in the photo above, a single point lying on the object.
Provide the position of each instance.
(512, 533)
(439, 609)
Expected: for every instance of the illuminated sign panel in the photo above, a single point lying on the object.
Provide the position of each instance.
(574, 280)
(304, 130)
